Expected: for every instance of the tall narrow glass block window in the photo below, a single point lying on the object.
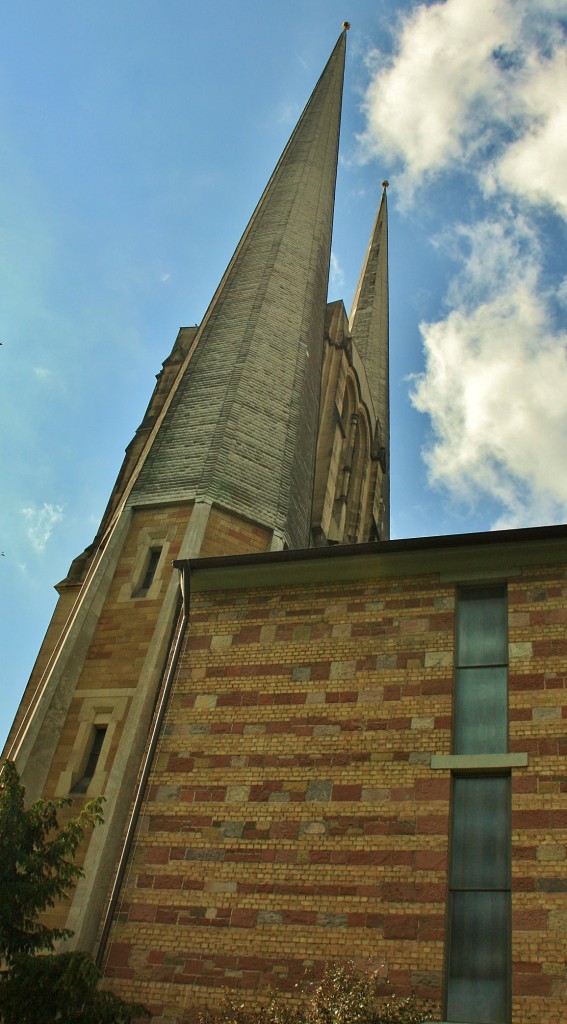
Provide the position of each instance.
(479, 929)
(478, 988)
(481, 676)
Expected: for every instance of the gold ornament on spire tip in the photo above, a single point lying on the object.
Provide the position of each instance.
(385, 184)
(346, 25)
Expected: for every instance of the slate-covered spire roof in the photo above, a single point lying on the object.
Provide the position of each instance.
(241, 427)
(368, 323)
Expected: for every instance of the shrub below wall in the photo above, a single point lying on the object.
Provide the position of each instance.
(345, 995)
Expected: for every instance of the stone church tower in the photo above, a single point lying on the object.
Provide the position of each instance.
(267, 430)
(314, 743)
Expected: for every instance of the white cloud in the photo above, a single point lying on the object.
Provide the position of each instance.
(423, 104)
(495, 381)
(482, 89)
(562, 292)
(41, 522)
(336, 276)
(42, 373)
(534, 165)
(480, 86)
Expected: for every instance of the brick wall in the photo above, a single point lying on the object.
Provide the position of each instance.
(228, 534)
(125, 626)
(116, 654)
(292, 816)
(538, 712)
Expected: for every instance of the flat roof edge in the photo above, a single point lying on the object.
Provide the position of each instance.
(384, 548)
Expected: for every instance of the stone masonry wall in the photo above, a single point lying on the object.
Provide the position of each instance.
(125, 630)
(538, 713)
(125, 626)
(293, 818)
(63, 608)
(230, 534)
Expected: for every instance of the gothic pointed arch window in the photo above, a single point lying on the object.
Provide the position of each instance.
(348, 425)
(357, 497)
(343, 459)
(350, 510)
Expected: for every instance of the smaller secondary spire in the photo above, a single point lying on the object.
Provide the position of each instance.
(369, 332)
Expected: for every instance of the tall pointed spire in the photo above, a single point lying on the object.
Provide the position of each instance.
(241, 428)
(369, 330)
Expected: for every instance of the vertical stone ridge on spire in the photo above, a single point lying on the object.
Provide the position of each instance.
(369, 327)
(241, 429)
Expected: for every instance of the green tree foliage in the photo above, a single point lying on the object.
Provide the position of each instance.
(38, 869)
(60, 987)
(345, 995)
(38, 864)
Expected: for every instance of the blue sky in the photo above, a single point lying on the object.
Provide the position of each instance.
(136, 139)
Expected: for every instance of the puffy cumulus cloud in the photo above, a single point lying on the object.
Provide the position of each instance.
(534, 164)
(40, 523)
(422, 102)
(481, 86)
(495, 381)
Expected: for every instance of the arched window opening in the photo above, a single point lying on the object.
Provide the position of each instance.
(343, 462)
(358, 485)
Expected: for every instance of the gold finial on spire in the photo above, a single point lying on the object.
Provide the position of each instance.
(385, 185)
(346, 25)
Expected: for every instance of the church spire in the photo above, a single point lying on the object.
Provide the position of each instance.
(241, 427)
(368, 323)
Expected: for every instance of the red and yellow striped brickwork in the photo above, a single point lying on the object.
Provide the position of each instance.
(124, 632)
(116, 654)
(293, 817)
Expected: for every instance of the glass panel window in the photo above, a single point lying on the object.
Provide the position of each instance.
(481, 674)
(478, 974)
(478, 948)
(481, 821)
(481, 710)
(482, 635)
(478, 988)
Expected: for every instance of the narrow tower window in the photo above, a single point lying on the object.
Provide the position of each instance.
(82, 785)
(154, 556)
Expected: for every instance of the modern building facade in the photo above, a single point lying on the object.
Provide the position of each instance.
(314, 742)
